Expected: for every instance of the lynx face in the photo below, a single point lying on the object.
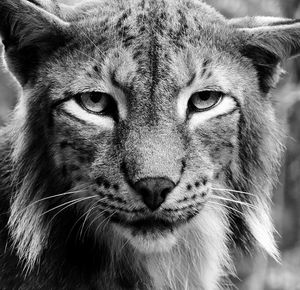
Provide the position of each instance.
(144, 124)
(152, 122)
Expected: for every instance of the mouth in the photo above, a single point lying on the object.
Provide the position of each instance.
(150, 234)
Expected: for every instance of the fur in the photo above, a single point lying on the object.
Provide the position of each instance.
(71, 216)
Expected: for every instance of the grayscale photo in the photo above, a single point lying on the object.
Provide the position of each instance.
(150, 145)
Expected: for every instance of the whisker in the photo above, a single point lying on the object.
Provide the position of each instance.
(226, 206)
(106, 220)
(53, 196)
(94, 219)
(232, 190)
(75, 202)
(234, 201)
(88, 213)
(69, 202)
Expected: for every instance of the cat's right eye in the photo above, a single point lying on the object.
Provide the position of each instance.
(97, 103)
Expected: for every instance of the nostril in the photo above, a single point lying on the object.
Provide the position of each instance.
(165, 192)
(154, 190)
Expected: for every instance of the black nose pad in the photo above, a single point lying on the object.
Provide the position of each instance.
(154, 190)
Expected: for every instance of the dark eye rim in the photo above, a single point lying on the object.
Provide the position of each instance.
(111, 109)
(193, 109)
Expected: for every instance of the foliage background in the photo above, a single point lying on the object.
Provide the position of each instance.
(257, 272)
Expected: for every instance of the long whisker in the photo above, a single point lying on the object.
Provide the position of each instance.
(87, 215)
(94, 219)
(226, 206)
(53, 196)
(75, 202)
(106, 220)
(234, 201)
(87, 212)
(69, 202)
(232, 190)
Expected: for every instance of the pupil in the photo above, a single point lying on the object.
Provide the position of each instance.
(205, 97)
(95, 98)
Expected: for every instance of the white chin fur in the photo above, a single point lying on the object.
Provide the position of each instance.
(150, 242)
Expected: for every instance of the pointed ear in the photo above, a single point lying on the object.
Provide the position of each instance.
(29, 34)
(268, 41)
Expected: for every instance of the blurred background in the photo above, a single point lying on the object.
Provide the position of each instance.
(257, 272)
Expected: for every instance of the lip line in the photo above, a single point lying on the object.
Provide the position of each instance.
(150, 224)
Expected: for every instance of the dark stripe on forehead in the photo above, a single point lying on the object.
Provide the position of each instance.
(205, 65)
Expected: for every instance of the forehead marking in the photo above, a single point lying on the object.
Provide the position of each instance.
(205, 65)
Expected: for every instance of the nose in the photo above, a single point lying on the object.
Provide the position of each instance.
(154, 190)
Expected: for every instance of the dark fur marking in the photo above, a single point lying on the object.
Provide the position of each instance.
(106, 185)
(191, 80)
(74, 118)
(204, 180)
(128, 40)
(122, 19)
(264, 62)
(137, 54)
(99, 180)
(228, 113)
(183, 162)
(95, 68)
(116, 187)
(189, 187)
(205, 66)
(64, 144)
(197, 183)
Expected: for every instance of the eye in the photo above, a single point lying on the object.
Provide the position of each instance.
(205, 100)
(97, 102)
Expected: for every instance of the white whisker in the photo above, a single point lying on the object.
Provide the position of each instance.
(234, 201)
(226, 206)
(232, 190)
(69, 202)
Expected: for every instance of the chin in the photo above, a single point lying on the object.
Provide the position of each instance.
(150, 241)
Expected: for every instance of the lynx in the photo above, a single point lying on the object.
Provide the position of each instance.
(144, 145)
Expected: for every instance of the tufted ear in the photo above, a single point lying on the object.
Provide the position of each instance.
(29, 34)
(267, 41)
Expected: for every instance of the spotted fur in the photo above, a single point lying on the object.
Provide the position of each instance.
(70, 216)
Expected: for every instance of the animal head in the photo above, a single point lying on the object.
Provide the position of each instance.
(152, 120)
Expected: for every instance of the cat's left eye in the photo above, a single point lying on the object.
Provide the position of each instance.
(205, 100)
(96, 102)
